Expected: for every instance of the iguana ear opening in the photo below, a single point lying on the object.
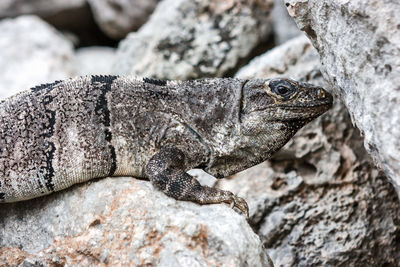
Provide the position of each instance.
(255, 97)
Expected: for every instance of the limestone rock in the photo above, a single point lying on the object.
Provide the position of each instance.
(12, 8)
(119, 17)
(296, 59)
(29, 58)
(123, 221)
(192, 39)
(94, 60)
(320, 201)
(359, 45)
(284, 26)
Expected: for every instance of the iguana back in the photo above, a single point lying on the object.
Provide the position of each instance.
(59, 134)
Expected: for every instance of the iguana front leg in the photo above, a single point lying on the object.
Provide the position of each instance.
(166, 171)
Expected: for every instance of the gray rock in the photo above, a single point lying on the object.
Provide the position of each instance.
(12, 8)
(30, 57)
(123, 221)
(283, 25)
(359, 44)
(296, 59)
(191, 39)
(119, 17)
(94, 60)
(320, 201)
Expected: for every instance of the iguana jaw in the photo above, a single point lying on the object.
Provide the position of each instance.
(290, 113)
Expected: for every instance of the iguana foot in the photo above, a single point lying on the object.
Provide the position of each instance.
(166, 171)
(210, 195)
(214, 195)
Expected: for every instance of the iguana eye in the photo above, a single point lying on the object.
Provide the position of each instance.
(282, 88)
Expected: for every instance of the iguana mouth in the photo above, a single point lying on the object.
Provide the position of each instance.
(304, 110)
(307, 112)
(306, 107)
(292, 113)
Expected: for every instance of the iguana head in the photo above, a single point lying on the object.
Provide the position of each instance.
(282, 101)
(271, 112)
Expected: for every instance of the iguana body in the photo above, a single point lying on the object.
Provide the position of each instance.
(59, 134)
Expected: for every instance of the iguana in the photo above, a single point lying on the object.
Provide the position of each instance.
(66, 132)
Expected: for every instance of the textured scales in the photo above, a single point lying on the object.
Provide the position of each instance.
(59, 134)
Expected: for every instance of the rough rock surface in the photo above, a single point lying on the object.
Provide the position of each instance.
(116, 18)
(284, 26)
(11, 8)
(320, 201)
(296, 59)
(359, 45)
(29, 58)
(119, 17)
(191, 39)
(94, 60)
(130, 223)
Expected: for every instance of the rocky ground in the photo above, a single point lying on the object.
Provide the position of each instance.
(321, 201)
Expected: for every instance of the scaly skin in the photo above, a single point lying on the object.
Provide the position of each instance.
(59, 134)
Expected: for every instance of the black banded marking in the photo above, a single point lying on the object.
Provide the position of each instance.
(101, 108)
(240, 104)
(47, 86)
(2, 196)
(155, 81)
(48, 131)
(49, 170)
(103, 112)
(113, 167)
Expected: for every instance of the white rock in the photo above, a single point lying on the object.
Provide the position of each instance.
(119, 17)
(296, 59)
(94, 60)
(203, 177)
(359, 45)
(283, 25)
(10, 8)
(123, 221)
(31, 52)
(190, 39)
